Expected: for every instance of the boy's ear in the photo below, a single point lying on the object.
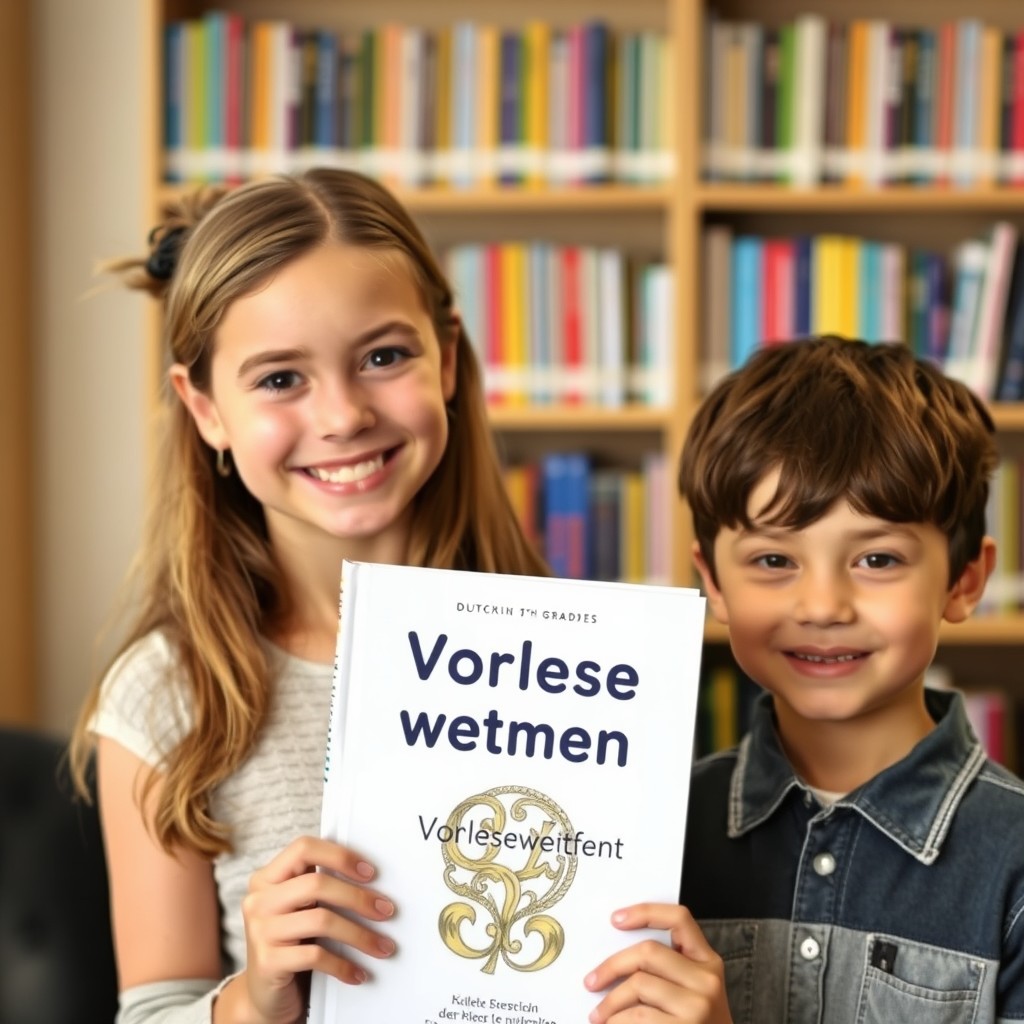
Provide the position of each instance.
(965, 594)
(715, 600)
(201, 406)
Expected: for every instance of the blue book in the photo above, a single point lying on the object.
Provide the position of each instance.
(747, 318)
(554, 515)
(596, 80)
(870, 312)
(510, 121)
(1011, 377)
(173, 85)
(577, 516)
(325, 100)
(802, 248)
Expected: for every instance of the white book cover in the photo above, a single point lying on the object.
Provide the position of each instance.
(513, 754)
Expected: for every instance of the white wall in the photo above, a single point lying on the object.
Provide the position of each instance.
(89, 204)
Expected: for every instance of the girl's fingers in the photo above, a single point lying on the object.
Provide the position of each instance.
(309, 852)
(324, 923)
(316, 887)
(685, 933)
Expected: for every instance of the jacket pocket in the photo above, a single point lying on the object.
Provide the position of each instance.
(734, 942)
(908, 981)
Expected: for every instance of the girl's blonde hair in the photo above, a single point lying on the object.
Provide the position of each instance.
(206, 575)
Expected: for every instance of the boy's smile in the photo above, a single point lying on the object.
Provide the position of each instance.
(838, 620)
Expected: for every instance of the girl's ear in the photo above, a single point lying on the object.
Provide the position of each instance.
(201, 407)
(715, 600)
(965, 594)
(449, 341)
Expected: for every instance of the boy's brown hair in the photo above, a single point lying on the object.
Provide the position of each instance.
(871, 424)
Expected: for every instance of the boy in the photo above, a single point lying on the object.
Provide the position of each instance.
(856, 858)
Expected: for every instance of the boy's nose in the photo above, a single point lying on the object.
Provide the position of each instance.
(342, 410)
(824, 599)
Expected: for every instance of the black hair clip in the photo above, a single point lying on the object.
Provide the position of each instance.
(163, 259)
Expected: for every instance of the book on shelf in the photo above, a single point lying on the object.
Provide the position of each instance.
(864, 101)
(963, 311)
(464, 104)
(513, 754)
(565, 323)
(594, 521)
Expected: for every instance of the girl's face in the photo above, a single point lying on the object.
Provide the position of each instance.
(328, 385)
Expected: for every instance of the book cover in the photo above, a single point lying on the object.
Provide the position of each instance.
(513, 753)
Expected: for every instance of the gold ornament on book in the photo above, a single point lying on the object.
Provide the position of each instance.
(513, 879)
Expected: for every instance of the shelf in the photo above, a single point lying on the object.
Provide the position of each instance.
(1008, 416)
(840, 199)
(981, 629)
(633, 418)
(520, 199)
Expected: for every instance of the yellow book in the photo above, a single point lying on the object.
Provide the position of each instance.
(537, 50)
(723, 703)
(848, 287)
(632, 528)
(1008, 541)
(259, 76)
(514, 306)
(827, 269)
(856, 100)
(197, 95)
(989, 105)
(487, 103)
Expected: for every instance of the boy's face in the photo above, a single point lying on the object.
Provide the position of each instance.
(838, 620)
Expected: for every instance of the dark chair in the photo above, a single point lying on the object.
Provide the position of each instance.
(56, 952)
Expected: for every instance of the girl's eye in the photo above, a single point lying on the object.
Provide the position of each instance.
(279, 380)
(877, 560)
(386, 357)
(773, 562)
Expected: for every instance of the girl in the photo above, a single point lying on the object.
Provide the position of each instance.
(329, 407)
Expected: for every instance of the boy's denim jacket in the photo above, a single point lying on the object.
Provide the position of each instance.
(901, 902)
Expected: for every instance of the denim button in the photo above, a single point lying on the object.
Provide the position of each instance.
(824, 864)
(809, 949)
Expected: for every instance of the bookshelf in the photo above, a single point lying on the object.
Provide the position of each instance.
(669, 217)
(19, 702)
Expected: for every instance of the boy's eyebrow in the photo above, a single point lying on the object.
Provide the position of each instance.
(291, 355)
(868, 533)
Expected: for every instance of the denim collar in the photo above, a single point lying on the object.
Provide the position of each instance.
(912, 801)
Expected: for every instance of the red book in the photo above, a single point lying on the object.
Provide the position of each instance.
(572, 329)
(945, 80)
(493, 355)
(1017, 116)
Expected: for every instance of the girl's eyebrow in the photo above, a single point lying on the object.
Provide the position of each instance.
(291, 355)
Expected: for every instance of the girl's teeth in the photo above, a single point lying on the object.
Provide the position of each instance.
(828, 661)
(348, 474)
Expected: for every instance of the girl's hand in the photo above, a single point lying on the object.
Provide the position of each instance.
(290, 905)
(683, 983)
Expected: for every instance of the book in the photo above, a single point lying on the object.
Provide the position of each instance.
(513, 754)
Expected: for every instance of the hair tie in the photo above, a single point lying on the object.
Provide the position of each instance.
(163, 259)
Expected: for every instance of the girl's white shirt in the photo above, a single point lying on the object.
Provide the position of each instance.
(274, 796)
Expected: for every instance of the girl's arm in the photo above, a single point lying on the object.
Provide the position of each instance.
(684, 982)
(167, 925)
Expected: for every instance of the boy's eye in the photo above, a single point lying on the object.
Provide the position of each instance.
(773, 562)
(279, 380)
(878, 560)
(386, 357)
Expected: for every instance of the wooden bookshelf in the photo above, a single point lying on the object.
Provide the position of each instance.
(18, 697)
(679, 210)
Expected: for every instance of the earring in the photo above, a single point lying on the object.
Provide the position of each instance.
(223, 462)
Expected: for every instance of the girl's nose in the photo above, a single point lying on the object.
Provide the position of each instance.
(342, 410)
